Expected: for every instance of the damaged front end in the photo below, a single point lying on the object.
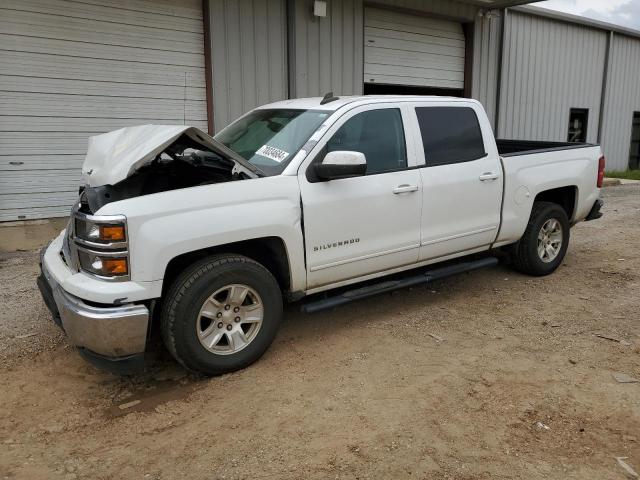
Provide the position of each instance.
(147, 159)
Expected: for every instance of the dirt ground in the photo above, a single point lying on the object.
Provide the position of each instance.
(490, 374)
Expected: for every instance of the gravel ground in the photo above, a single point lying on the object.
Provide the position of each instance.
(490, 374)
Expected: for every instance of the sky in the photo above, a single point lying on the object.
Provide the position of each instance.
(620, 12)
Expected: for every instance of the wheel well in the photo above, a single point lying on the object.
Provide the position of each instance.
(268, 251)
(563, 196)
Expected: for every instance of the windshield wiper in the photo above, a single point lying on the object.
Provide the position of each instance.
(258, 172)
(238, 158)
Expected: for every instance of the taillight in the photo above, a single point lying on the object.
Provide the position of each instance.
(601, 163)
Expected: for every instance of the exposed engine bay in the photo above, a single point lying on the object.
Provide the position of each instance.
(183, 164)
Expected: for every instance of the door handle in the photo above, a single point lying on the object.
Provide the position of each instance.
(405, 188)
(488, 176)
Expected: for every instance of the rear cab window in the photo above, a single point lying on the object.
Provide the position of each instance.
(450, 135)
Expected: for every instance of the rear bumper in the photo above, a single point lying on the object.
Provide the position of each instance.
(112, 337)
(595, 212)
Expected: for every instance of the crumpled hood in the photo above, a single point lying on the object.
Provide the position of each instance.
(112, 157)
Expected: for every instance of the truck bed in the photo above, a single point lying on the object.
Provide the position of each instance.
(510, 148)
(532, 167)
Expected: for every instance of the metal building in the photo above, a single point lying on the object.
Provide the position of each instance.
(69, 70)
(73, 68)
(557, 69)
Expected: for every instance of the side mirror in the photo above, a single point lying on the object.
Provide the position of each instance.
(341, 164)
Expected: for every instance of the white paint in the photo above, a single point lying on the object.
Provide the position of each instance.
(112, 157)
(354, 229)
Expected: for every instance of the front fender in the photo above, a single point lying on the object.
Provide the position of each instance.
(165, 225)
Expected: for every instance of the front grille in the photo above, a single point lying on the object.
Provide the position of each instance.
(69, 253)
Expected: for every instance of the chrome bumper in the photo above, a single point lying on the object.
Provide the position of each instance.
(107, 331)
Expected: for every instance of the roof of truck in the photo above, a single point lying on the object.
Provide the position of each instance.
(313, 103)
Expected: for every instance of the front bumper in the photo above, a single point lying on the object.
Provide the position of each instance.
(112, 337)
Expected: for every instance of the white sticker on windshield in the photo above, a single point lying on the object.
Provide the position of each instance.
(273, 153)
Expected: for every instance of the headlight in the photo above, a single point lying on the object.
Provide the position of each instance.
(101, 244)
(112, 265)
(106, 233)
(100, 233)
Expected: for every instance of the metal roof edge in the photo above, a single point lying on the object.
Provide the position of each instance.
(493, 4)
(576, 19)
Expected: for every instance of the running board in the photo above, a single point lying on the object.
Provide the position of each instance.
(391, 285)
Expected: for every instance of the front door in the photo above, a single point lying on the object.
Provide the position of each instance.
(371, 223)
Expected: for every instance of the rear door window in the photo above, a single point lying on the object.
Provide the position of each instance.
(450, 135)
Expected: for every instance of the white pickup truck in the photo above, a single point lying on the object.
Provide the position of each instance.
(204, 238)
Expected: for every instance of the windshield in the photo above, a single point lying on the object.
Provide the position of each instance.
(269, 139)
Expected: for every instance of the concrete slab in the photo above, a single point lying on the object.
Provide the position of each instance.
(29, 235)
(611, 182)
(627, 181)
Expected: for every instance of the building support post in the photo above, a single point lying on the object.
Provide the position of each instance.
(290, 9)
(605, 79)
(503, 21)
(469, 37)
(208, 73)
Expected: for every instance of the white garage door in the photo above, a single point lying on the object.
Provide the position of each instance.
(72, 69)
(402, 49)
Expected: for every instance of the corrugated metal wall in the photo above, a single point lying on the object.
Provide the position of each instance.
(72, 69)
(548, 67)
(248, 56)
(622, 99)
(486, 60)
(327, 53)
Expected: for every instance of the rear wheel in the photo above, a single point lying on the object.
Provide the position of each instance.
(221, 314)
(544, 244)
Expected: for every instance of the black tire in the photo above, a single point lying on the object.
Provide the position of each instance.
(525, 255)
(186, 296)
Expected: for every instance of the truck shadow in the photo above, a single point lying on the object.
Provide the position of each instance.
(165, 381)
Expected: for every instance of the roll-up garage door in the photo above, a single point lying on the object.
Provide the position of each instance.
(72, 69)
(403, 49)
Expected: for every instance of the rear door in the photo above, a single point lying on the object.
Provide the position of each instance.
(362, 225)
(462, 178)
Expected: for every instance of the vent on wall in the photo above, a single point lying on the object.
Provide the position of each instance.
(634, 148)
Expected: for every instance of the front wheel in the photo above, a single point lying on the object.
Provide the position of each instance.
(221, 314)
(544, 244)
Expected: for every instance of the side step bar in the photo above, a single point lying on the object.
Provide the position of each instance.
(390, 285)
